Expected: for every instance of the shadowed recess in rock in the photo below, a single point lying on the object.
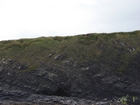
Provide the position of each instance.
(62, 92)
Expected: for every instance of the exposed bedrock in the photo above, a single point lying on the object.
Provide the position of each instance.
(89, 80)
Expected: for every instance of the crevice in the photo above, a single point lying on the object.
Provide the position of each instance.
(61, 92)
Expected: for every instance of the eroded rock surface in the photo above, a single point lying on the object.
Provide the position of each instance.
(58, 84)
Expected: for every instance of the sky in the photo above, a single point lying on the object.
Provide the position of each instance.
(36, 18)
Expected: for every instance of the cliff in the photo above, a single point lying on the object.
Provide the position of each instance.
(92, 67)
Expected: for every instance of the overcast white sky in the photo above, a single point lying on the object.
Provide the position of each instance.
(35, 18)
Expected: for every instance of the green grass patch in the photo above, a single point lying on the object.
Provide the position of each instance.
(112, 49)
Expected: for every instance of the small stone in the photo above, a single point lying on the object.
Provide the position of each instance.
(123, 44)
(60, 57)
(50, 55)
(8, 74)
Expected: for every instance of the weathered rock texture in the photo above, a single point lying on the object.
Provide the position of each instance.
(99, 67)
(88, 80)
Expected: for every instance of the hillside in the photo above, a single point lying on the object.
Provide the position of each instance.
(91, 66)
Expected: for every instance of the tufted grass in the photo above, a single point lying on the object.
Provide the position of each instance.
(115, 50)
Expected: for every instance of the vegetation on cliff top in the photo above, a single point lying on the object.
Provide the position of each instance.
(115, 50)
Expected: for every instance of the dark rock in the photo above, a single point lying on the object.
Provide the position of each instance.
(88, 80)
(60, 57)
(22, 67)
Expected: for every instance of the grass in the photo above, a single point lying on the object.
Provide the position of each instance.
(115, 50)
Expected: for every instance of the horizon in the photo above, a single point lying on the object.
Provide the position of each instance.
(71, 35)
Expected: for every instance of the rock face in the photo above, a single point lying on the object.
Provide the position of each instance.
(88, 80)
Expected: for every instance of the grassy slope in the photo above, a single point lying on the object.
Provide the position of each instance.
(115, 50)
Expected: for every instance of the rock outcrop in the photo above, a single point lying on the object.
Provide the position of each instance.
(88, 80)
(83, 69)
